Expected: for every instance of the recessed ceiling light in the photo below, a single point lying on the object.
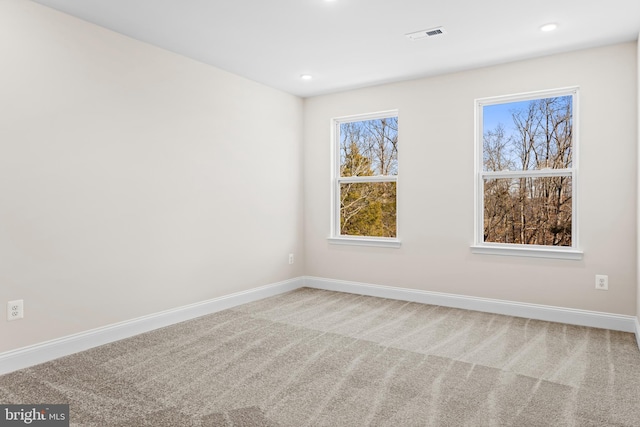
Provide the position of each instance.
(548, 27)
(306, 76)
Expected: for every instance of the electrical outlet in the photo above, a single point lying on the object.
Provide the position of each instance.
(290, 258)
(602, 282)
(15, 309)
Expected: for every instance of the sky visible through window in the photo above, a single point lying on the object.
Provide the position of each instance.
(528, 134)
(532, 136)
(492, 115)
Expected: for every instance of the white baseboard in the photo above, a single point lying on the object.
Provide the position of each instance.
(43, 352)
(532, 311)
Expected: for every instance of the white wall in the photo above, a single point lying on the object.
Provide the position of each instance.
(435, 190)
(134, 180)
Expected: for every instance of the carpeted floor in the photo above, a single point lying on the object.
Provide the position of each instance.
(320, 358)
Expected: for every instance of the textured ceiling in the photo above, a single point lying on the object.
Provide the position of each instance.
(346, 44)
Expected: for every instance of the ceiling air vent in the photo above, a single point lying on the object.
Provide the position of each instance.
(423, 34)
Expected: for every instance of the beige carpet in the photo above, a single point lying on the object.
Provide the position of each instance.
(320, 358)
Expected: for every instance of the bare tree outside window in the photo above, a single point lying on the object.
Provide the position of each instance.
(527, 172)
(368, 169)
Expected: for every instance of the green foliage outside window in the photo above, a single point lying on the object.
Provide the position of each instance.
(369, 149)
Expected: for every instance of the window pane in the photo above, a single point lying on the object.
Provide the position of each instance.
(534, 211)
(528, 135)
(368, 209)
(369, 147)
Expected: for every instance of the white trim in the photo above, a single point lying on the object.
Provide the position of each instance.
(43, 352)
(384, 242)
(366, 116)
(528, 96)
(365, 179)
(570, 316)
(482, 247)
(337, 180)
(638, 330)
(536, 173)
(532, 251)
(49, 350)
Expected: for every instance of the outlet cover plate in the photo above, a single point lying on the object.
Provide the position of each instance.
(602, 282)
(15, 310)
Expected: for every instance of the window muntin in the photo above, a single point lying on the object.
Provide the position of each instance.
(366, 171)
(526, 172)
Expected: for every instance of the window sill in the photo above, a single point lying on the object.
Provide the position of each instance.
(383, 242)
(526, 251)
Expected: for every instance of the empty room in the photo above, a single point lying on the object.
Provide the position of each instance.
(319, 213)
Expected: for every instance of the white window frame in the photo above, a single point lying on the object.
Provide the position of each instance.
(335, 237)
(510, 249)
